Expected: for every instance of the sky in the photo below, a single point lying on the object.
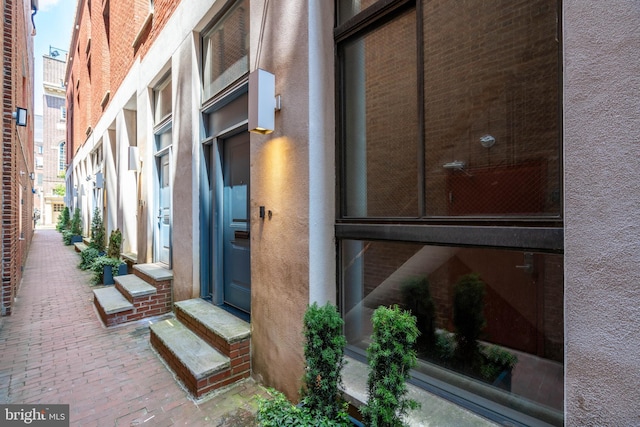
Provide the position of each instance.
(54, 22)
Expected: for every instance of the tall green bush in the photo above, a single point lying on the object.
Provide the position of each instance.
(115, 243)
(469, 321)
(63, 220)
(417, 298)
(97, 232)
(324, 354)
(390, 355)
(76, 223)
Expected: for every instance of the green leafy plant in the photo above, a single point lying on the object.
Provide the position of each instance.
(496, 361)
(97, 231)
(76, 223)
(277, 411)
(115, 243)
(63, 220)
(417, 298)
(469, 321)
(66, 236)
(324, 354)
(87, 257)
(59, 190)
(390, 355)
(100, 263)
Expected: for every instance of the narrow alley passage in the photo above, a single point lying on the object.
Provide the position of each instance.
(55, 350)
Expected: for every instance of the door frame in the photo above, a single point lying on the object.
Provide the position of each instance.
(158, 154)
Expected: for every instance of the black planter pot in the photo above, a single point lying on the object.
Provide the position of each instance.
(107, 273)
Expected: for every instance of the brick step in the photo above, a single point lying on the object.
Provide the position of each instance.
(199, 366)
(132, 299)
(132, 287)
(112, 306)
(222, 330)
(154, 273)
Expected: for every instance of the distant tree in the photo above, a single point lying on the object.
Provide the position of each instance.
(59, 190)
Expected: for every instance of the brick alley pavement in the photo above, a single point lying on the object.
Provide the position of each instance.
(54, 349)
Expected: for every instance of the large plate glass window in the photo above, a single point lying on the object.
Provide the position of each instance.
(450, 178)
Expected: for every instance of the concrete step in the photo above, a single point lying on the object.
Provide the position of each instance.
(112, 306)
(229, 334)
(133, 286)
(79, 246)
(199, 366)
(153, 273)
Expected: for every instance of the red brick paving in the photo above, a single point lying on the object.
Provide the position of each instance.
(54, 349)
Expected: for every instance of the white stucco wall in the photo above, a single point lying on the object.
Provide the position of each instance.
(601, 46)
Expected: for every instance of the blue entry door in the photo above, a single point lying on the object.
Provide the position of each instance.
(236, 239)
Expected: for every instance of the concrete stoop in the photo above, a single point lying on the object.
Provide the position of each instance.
(145, 293)
(206, 347)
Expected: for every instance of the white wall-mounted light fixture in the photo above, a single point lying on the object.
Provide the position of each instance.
(99, 180)
(21, 116)
(263, 102)
(133, 158)
(32, 176)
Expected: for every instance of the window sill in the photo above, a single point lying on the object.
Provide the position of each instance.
(143, 29)
(433, 410)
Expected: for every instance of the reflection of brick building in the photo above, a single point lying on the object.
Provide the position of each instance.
(17, 145)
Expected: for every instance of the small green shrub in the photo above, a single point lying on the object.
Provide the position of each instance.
(390, 355)
(278, 412)
(76, 223)
(324, 354)
(98, 266)
(63, 220)
(66, 236)
(97, 231)
(88, 256)
(496, 360)
(115, 243)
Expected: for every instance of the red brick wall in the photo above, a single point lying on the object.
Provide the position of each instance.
(17, 148)
(112, 54)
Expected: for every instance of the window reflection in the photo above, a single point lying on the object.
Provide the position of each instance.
(491, 321)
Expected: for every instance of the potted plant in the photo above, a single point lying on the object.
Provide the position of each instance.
(97, 232)
(104, 269)
(87, 257)
(114, 248)
(390, 355)
(76, 227)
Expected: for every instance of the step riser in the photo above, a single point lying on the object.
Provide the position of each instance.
(150, 305)
(200, 387)
(153, 282)
(239, 352)
(115, 318)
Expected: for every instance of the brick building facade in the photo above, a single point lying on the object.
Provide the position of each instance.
(416, 138)
(51, 158)
(17, 146)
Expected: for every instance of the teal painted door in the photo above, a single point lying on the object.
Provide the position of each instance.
(236, 240)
